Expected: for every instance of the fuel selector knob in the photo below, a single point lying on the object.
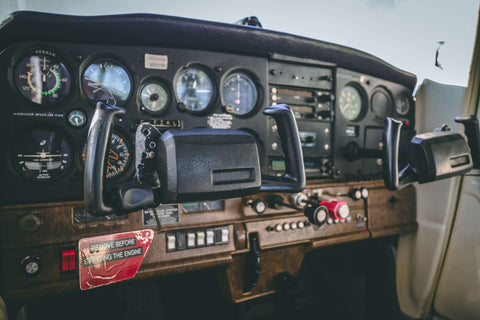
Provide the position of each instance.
(338, 210)
(317, 214)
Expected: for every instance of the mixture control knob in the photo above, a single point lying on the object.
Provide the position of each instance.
(258, 205)
(338, 210)
(317, 214)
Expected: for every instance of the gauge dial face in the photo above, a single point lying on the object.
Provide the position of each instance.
(118, 159)
(239, 94)
(194, 89)
(77, 118)
(402, 104)
(42, 155)
(350, 103)
(107, 81)
(42, 78)
(154, 97)
(381, 104)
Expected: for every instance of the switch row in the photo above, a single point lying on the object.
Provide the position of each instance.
(192, 239)
(289, 226)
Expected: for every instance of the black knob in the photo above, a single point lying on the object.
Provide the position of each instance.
(317, 214)
(324, 98)
(276, 201)
(259, 206)
(356, 194)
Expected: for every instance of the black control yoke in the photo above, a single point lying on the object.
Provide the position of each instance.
(431, 156)
(231, 181)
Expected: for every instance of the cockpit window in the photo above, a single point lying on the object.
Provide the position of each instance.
(432, 39)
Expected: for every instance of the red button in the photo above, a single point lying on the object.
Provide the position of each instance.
(68, 260)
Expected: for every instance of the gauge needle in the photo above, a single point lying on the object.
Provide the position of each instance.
(44, 64)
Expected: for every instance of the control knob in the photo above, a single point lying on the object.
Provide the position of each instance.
(258, 205)
(338, 210)
(317, 214)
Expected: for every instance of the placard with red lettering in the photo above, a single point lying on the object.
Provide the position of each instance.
(112, 258)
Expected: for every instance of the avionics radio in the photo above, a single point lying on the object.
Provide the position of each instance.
(307, 104)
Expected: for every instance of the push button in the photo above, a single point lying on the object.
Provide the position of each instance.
(68, 260)
(210, 237)
(181, 241)
(200, 238)
(190, 240)
(171, 242)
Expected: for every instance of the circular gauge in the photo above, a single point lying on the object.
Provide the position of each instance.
(42, 78)
(381, 103)
(350, 103)
(402, 104)
(154, 97)
(77, 118)
(42, 155)
(119, 156)
(194, 88)
(239, 94)
(107, 81)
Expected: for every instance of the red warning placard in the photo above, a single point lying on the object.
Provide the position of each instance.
(112, 258)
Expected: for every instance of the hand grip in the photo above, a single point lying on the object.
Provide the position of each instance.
(473, 134)
(394, 178)
(99, 135)
(294, 178)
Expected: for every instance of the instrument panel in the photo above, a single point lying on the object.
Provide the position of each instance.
(172, 73)
(54, 87)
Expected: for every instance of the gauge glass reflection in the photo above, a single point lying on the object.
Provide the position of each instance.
(350, 103)
(107, 81)
(239, 94)
(381, 104)
(42, 155)
(194, 89)
(118, 158)
(402, 104)
(154, 97)
(42, 78)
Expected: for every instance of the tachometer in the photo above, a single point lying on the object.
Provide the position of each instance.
(239, 94)
(350, 103)
(119, 156)
(42, 155)
(108, 81)
(194, 88)
(42, 78)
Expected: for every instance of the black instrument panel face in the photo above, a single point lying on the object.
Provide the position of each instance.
(51, 90)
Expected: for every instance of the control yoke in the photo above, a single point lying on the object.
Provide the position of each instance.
(431, 156)
(182, 165)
